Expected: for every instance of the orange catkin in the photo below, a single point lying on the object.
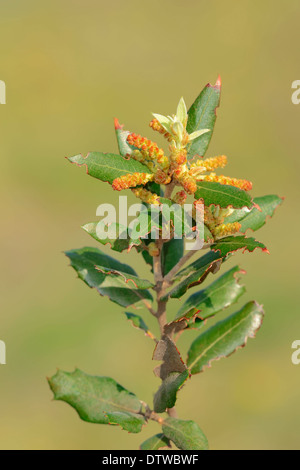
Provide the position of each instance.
(131, 181)
(156, 126)
(241, 184)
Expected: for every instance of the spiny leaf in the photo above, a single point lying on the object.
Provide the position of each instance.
(125, 278)
(98, 399)
(230, 244)
(219, 295)
(197, 271)
(166, 395)
(139, 323)
(159, 441)
(84, 260)
(107, 166)
(255, 218)
(186, 435)
(202, 115)
(225, 337)
(222, 195)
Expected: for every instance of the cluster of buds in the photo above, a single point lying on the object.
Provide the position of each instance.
(180, 198)
(153, 249)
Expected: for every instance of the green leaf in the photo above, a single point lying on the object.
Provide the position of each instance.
(98, 400)
(222, 195)
(130, 422)
(255, 218)
(125, 278)
(202, 115)
(230, 244)
(186, 435)
(166, 395)
(172, 252)
(116, 244)
(176, 216)
(159, 441)
(225, 337)
(84, 260)
(219, 295)
(107, 166)
(196, 273)
(139, 323)
(121, 134)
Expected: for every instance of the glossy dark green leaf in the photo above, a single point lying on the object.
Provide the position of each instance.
(202, 115)
(186, 435)
(166, 395)
(98, 399)
(134, 282)
(159, 441)
(254, 218)
(231, 244)
(195, 274)
(107, 166)
(225, 337)
(84, 260)
(219, 295)
(222, 195)
(139, 323)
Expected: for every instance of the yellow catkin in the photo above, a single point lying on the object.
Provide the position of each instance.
(224, 230)
(241, 184)
(209, 219)
(146, 196)
(131, 180)
(156, 126)
(210, 164)
(161, 177)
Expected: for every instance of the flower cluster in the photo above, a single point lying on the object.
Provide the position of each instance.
(214, 220)
(175, 169)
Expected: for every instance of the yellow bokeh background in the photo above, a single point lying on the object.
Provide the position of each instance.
(70, 67)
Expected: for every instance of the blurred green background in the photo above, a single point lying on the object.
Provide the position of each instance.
(70, 67)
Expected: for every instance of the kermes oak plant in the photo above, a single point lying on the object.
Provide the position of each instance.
(158, 179)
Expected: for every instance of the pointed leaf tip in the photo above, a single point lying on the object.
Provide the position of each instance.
(218, 82)
(117, 124)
